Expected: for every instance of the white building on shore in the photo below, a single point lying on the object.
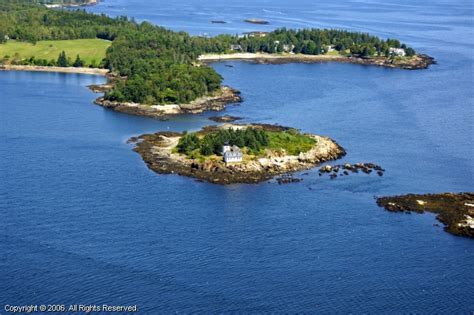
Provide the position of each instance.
(232, 154)
(397, 51)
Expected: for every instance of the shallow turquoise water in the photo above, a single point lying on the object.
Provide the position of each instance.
(84, 221)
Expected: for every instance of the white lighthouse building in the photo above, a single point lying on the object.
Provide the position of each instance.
(231, 154)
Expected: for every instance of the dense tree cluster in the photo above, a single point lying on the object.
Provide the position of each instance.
(251, 138)
(160, 65)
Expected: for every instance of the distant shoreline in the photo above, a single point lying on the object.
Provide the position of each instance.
(79, 70)
(72, 5)
(417, 62)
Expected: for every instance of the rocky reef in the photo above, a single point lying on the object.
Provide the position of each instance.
(256, 21)
(216, 102)
(224, 119)
(455, 211)
(157, 152)
(347, 168)
(417, 62)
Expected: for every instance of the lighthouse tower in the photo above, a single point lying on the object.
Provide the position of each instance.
(225, 148)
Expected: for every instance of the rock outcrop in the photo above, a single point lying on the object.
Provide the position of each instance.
(456, 211)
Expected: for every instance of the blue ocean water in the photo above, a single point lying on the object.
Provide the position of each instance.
(84, 221)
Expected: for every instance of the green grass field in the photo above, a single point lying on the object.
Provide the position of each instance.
(90, 50)
(291, 141)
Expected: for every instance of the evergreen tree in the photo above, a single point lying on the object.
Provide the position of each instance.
(62, 60)
(410, 52)
(78, 62)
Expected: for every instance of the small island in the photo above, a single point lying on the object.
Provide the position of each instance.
(216, 101)
(256, 21)
(456, 211)
(235, 153)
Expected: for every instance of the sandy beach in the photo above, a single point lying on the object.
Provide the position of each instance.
(94, 71)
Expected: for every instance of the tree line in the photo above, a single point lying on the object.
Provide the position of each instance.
(62, 61)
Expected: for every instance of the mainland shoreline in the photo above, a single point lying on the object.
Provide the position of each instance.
(417, 62)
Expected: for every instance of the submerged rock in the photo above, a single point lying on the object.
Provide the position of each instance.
(224, 119)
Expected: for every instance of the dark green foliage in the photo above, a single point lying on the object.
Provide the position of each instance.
(188, 143)
(251, 138)
(62, 60)
(2, 37)
(78, 62)
(410, 52)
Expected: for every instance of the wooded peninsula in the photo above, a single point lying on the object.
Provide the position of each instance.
(151, 65)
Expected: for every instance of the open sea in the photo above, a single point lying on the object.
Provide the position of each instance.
(83, 221)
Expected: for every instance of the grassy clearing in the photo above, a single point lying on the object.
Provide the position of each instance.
(92, 51)
(291, 141)
(333, 53)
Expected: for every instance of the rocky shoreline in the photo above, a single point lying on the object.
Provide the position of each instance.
(455, 211)
(416, 63)
(157, 152)
(217, 102)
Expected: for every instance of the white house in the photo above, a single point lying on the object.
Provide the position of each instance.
(285, 47)
(235, 47)
(330, 48)
(232, 154)
(288, 48)
(397, 51)
(256, 34)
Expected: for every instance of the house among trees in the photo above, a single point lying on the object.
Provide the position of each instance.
(288, 48)
(397, 51)
(255, 34)
(236, 47)
(279, 47)
(232, 154)
(330, 48)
